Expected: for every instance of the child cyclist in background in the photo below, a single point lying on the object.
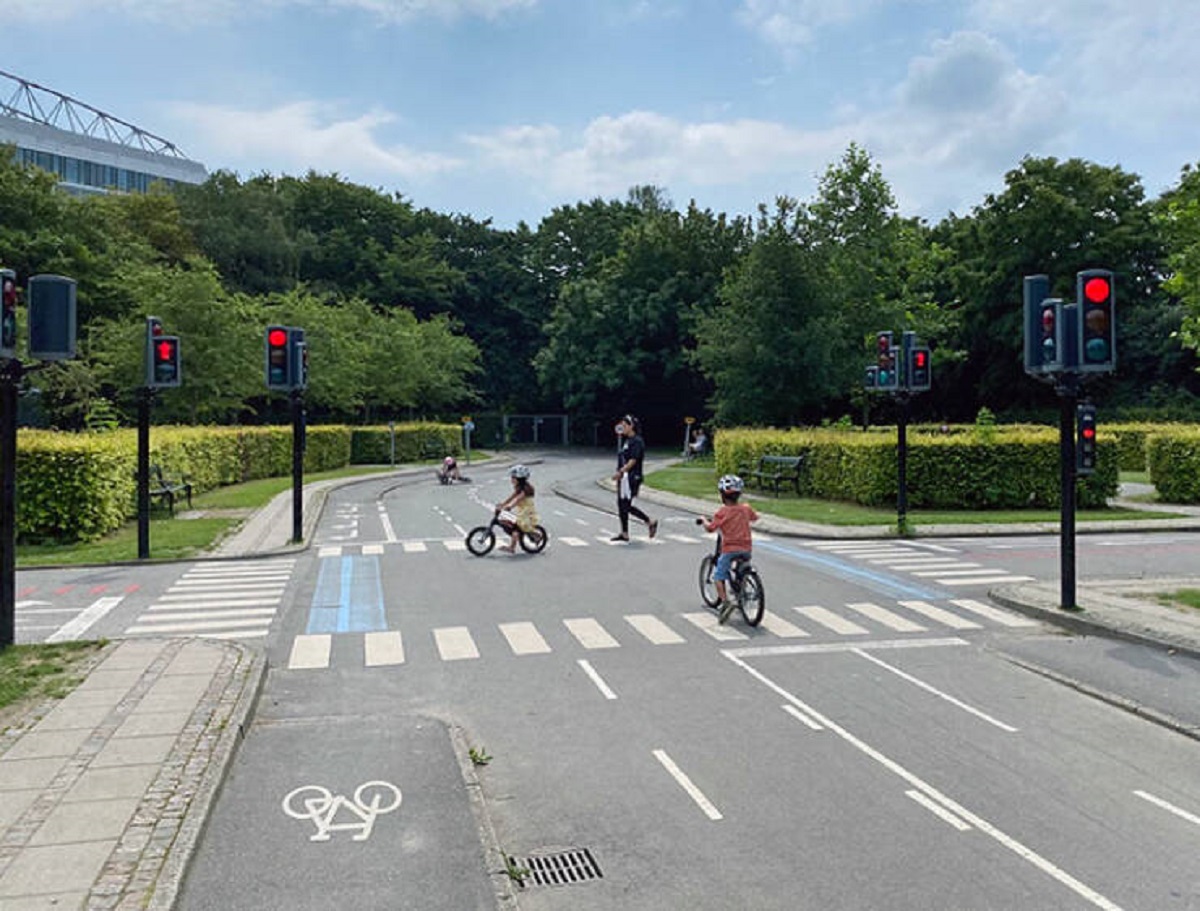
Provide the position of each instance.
(522, 504)
(732, 520)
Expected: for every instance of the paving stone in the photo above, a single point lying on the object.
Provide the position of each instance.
(144, 724)
(101, 679)
(13, 805)
(65, 717)
(45, 744)
(59, 901)
(133, 751)
(91, 820)
(54, 868)
(118, 781)
(19, 774)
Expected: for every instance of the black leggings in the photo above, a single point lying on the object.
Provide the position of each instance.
(625, 509)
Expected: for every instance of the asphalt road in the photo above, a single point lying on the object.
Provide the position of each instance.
(873, 744)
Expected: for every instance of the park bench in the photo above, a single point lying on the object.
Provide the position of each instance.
(774, 470)
(167, 489)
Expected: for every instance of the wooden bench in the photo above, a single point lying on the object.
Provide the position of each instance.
(165, 489)
(773, 470)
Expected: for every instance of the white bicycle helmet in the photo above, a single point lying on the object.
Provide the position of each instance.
(518, 471)
(730, 483)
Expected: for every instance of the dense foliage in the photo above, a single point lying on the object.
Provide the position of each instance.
(607, 305)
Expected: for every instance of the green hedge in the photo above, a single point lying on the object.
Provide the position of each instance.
(1000, 468)
(1174, 460)
(372, 445)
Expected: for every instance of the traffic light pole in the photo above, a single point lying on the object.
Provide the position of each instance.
(10, 376)
(902, 464)
(145, 397)
(297, 397)
(1068, 396)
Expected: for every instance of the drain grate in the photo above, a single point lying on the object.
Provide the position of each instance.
(564, 868)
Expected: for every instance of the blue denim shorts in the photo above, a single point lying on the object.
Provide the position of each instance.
(725, 561)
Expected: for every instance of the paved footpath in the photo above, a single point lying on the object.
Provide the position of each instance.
(104, 794)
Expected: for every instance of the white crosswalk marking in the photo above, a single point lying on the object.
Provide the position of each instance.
(886, 617)
(1004, 618)
(454, 643)
(982, 580)
(706, 622)
(330, 551)
(147, 625)
(573, 542)
(414, 547)
(944, 617)
(524, 639)
(372, 550)
(590, 633)
(653, 629)
(310, 652)
(197, 599)
(831, 621)
(775, 624)
(455, 544)
(383, 649)
(685, 539)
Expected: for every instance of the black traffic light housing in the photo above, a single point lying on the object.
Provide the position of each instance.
(51, 318)
(279, 358)
(8, 316)
(1085, 443)
(1097, 331)
(887, 373)
(164, 369)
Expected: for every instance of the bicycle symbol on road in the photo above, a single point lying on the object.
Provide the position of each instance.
(371, 799)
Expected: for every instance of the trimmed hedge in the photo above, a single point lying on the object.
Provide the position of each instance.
(1174, 460)
(80, 487)
(372, 445)
(997, 468)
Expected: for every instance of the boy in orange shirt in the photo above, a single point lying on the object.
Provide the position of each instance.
(732, 520)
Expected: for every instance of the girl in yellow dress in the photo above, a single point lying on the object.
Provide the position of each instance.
(521, 503)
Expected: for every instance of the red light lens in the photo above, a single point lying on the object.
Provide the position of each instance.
(1096, 290)
(1088, 432)
(166, 350)
(919, 358)
(276, 338)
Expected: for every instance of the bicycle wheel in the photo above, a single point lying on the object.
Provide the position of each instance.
(534, 542)
(481, 540)
(752, 600)
(708, 588)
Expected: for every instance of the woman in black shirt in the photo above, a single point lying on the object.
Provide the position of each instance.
(630, 456)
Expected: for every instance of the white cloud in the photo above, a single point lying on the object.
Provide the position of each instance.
(296, 137)
(191, 11)
(789, 24)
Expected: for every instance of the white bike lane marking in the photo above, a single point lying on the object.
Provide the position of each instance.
(320, 805)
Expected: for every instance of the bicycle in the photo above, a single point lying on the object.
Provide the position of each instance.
(445, 478)
(482, 538)
(744, 584)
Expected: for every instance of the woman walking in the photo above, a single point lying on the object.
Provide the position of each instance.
(630, 456)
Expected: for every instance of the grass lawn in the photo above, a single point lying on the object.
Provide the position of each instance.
(699, 481)
(29, 672)
(1185, 597)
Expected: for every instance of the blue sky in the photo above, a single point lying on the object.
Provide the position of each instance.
(504, 109)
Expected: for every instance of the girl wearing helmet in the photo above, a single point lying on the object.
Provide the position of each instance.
(522, 504)
(732, 520)
(449, 470)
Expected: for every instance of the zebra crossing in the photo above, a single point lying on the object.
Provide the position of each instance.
(235, 600)
(935, 562)
(522, 638)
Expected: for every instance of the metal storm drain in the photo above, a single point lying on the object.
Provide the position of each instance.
(564, 868)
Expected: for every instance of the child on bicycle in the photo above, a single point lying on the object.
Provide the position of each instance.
(732, 520)
(521, 503)
(449, 470)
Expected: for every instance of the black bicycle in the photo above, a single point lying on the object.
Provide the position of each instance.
(745, 585)
(482, 538)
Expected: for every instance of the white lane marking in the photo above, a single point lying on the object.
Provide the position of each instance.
(988, 580)
(372, 550)
(385, 520)
(606, 538)
(248, 572)
(938, 810)
(414, 547)
(590, 633)
(33, 611)
(775, 624)
(1004, 618)
(524, 639)
(891, 765)
(960, 569)
(653, 629)
(310, 652)
(941, 549)
(256, 566)
(832, 621)
(706, 622)
(1169, 807)
(603, 687)
(582, 522)
(573, 542)
(382, 648)
(759, 651)
(904, 675)
(195, 626)
(194, 614)
(686, 783)
(454, 643)
(945, 617)
(187, 585)
(185, 602)
(886, 617)
(455, 543)
(73, 629)
(685, 539)
(331, 551)
(458, 528)
(238, 634)
(802, 718)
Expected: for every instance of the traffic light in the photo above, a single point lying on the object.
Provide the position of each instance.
(298, 358)
(1096, 295)
(872, 378)
(888, 374)
(279, 358)
(165, 361)
(154, 330)
(1045, 328)
(51, 318)
(8, 317)
(1085, 445)
(918, 370)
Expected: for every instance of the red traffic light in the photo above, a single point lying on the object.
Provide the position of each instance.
(277, 338)
(1097, 289)
(1088, 433)
(920, 358)
(164, 350)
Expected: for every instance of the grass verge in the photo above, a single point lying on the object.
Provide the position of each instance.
(1185, 597)
(31, 672)
(699, 481)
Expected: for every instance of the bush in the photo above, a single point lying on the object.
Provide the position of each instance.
(1174, 460)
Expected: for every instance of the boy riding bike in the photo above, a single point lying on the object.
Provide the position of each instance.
(732, 520)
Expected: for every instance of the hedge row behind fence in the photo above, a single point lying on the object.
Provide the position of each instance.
(997, 468)
(80, 487)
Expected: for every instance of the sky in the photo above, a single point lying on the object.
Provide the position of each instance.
(507, 109)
